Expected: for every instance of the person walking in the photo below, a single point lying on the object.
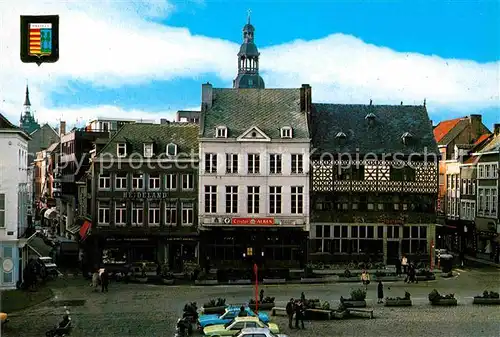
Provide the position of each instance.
(365, 279)
(261, 296)
(398, 267)
(95, 281)
(380, 292)
(299, 315)
(104, 281)
(242, 312)
(289, 312)
(404, 263)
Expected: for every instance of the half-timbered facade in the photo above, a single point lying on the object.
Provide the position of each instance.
(144, 189)
(374, 182)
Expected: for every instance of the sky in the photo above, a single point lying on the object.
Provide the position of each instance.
(148, 59)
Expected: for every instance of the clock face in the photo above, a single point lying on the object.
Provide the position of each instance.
(7, 265)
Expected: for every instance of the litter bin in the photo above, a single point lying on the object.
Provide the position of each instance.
(446, 263)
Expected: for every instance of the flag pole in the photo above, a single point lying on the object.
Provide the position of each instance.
(256, 270)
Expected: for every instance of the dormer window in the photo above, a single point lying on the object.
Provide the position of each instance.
(286, 132)
(406, 138)
(370, 118)
(121, 150)
(221, 132)
(148, 150)
(340, 135)
(171, 149)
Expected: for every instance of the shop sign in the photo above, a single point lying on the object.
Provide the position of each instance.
(128, 239)
(253, 221)
(145, 195)
(393, 222)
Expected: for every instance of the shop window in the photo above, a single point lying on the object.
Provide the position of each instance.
(423, 232)
(414, 232)
(380, 232)
(327, 231)
(405, 246)
(336, 231)
(319, 231)
(406, 232)
(344, 231)
(354, 246)
(335, 246)
(370, 233)
(344, 246)
(362, 231)
(354, 231)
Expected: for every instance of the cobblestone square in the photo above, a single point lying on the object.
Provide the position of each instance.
(149, 310)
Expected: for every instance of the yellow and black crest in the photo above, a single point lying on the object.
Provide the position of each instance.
(39, 39)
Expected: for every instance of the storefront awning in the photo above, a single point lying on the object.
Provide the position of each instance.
(85, 230)
(50, 213)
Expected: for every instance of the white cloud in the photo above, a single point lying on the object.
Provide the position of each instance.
(113, 43)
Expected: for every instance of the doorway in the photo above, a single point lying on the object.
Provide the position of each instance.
(392, 251)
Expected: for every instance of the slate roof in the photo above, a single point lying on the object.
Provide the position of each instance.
(454, 132)
(135, 135)
(482, 138)
(267, 109)
(7, 125)
(381, 136)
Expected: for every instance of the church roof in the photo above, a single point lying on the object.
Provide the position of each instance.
(267, 109)
(382, 135)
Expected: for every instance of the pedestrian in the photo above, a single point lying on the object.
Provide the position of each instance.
(462, 258)
(243, 312)
(299, 315)
(261, 297)
(289, 312)
(404, 263)
(104, 281)
(380, 292)
(95, 280)
(398, 267)
(302, 297)
(365, 279)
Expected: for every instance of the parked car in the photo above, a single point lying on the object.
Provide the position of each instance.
(228, 316)
(235, 326)
(261, 332)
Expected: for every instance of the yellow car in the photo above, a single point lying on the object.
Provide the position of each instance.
(234, 327)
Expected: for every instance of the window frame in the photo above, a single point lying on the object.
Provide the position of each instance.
(231, 199)
(253, 199)
(297, 200)
(148, 150)
(275, 199)
(137, 212)
(170, 213)
(156, 178)
(122, 210)
(3, 212)
(253, 163)
(171, 181)
(232, 163)
(167, 148)
(188, 180)
(155, 211)
(121, 146)
(275, 163)
(297, 163)
(211, 162)
(138, 179)
(187, 211)
(104, 211)
(210, 199)
(121, 177)
(106, 178)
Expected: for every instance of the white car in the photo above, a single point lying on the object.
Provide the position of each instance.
(258, 332)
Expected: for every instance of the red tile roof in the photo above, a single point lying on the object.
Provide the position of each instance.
(482, 138)
(444, 127)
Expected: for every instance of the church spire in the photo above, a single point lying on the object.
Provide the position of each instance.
(248, 60)
(27, 98)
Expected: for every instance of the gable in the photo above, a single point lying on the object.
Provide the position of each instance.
(5, 124)
(253, 134)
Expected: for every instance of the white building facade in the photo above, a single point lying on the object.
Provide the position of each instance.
(14, 200)
(254, 175)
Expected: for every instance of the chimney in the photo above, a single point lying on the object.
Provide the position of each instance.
(305, 98)
(62, 128)
(496, 129)
(475, 122)
(206, 96)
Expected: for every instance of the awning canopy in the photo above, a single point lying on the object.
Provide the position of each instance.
(85, 229)
(50, 213)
